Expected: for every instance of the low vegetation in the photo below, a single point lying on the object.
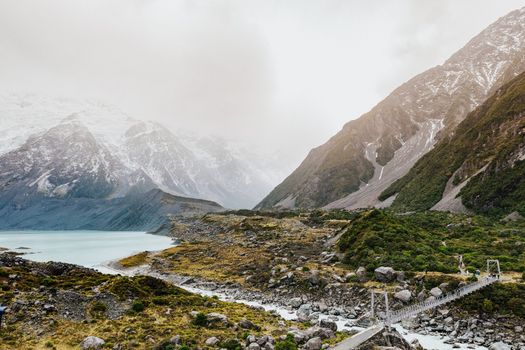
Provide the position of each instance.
(431, 241)
(132, 312)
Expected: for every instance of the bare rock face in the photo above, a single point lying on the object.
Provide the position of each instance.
(357, 164)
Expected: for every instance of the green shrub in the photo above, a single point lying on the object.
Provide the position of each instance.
(472, 278)
(487, 306)
(165, 345)
(287, 344)
(48, 281)
(3, 273)
(230, 344)
(523, 276)
(200, 320)
(97, 306)
(138, 306)
(160, 301)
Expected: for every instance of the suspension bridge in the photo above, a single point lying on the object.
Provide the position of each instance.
(493, 276)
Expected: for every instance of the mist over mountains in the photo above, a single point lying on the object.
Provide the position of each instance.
(182, 164)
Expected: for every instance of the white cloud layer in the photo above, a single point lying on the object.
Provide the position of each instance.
(284, 75)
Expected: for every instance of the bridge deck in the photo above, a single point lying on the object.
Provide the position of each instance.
(411, 311)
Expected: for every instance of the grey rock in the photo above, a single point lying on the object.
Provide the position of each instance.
(212, 341)
(403, 295)
(176, 340)
(247, 324)
(361, 273)
(313, 344)
(385, 274)
(216, 317)
(92, 343)
(328, 324)
(499, 346)
(254, 346)
(436, 292)
(296, 302)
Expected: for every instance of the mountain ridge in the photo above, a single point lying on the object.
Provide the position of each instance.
(345, 171)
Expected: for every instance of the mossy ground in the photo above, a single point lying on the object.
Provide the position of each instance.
(166, 312)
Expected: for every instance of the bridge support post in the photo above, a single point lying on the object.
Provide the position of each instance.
(372, 305)
(493, 268)
(374, 302)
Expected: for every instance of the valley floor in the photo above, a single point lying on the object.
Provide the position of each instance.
(293, 260)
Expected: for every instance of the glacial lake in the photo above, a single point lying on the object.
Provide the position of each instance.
(86, 248)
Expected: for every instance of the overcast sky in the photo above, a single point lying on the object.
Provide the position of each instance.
(285, 75)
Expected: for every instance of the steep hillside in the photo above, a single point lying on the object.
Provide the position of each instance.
(482, 166)
(371, 152)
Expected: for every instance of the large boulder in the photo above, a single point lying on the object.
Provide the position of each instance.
(385, 274)
(296, 302)
(92, 343)
(325, 323)
(215, 317)
(313, 344)
(436, 292)
(404, 295)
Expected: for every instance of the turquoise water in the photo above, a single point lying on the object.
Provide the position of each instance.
(86, 248)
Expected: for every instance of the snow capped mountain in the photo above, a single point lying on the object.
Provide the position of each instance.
(65, 162)
(191, 166)
(355, 166)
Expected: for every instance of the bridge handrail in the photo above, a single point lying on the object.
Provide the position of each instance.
(415, 309)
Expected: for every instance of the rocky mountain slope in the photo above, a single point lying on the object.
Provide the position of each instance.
(183, 165)
(480, 168)
(373, 151)
(64, 179)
